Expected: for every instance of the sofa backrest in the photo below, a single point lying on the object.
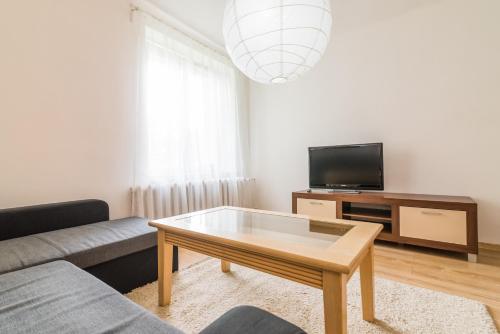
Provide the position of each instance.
(19, 222)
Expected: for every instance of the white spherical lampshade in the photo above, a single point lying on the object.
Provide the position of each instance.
(276, 41)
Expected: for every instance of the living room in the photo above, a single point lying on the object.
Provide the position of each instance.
(331, 165)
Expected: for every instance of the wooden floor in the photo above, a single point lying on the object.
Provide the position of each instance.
(441, 271)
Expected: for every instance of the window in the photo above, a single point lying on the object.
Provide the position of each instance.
(190, 123)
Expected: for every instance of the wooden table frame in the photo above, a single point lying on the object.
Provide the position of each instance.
(332, 277)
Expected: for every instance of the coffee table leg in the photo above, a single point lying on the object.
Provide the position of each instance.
(165, 255)
(225, 266)
(335, 302)
(367, 293)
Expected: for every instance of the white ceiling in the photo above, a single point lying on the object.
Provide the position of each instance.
(205, 16)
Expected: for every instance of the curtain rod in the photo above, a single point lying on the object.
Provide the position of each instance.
(214, 46)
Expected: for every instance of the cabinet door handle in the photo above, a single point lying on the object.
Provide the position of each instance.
(315, 203)
(432, 213)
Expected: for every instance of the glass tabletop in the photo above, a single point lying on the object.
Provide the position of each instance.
(227, 222)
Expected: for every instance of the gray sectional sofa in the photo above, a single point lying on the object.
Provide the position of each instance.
(80, 232)
(42, 290)
(58, 297)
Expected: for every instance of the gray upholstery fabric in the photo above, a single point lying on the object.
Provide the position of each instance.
(250, 320)
(26, 252)
(84, 246)
(88, 245)
(58, 297)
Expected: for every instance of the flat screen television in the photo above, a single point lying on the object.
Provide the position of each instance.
(348, 167)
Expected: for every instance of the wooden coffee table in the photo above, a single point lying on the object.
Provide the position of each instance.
(314, 251)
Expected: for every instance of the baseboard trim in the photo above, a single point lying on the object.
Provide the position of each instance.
(487, 246)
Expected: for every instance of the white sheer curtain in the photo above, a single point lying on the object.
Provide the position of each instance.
(191, 125)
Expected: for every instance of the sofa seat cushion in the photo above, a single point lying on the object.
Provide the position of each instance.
(24, 252)
(84, 246)
(58, 297)
(250, 320)
(89, 245)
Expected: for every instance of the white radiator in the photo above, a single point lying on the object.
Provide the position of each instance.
(164, 201)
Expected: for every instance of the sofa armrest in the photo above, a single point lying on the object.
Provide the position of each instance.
(23, 221)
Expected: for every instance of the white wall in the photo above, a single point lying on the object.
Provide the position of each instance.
(421, 76)
(67, 92)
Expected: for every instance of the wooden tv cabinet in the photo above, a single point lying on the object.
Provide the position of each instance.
(442, 222)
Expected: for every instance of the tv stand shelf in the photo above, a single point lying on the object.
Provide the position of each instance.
(368, 214)
(443, 222)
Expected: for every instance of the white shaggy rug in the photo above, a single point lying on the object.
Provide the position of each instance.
(201, 293)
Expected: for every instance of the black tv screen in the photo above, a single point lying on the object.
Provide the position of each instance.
(350, 167)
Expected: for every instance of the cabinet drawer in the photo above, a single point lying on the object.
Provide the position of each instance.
(317, 208)
(432, 224)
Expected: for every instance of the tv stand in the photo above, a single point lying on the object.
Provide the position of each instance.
(442, 222)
